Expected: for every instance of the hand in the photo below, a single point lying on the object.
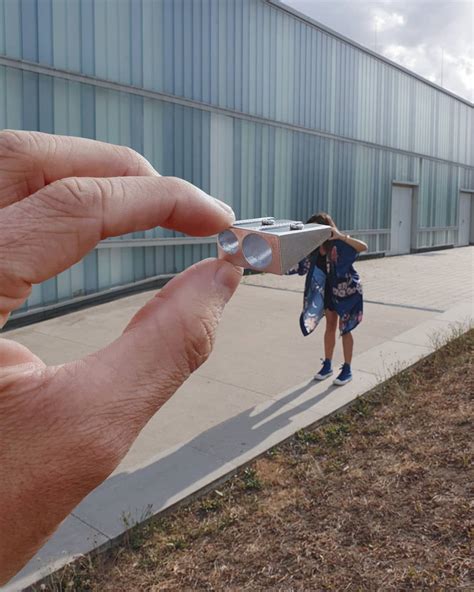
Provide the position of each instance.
(64, 429)
(355, 243)
(336, 235)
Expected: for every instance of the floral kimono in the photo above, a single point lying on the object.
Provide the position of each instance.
(339, 287)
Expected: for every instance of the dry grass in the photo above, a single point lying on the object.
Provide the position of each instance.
(377, 498)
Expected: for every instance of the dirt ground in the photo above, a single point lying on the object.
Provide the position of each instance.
(378, 498)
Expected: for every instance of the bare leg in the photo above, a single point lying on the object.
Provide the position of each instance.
(347, 347)
(330, 334)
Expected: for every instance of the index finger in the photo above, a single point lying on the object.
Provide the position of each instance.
(31, 160)
(54, 228)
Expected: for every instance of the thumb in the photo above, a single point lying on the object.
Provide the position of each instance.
(171, 336)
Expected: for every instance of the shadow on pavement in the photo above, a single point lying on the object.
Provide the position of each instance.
(129, 497)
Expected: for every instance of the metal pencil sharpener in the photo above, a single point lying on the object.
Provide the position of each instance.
(270, 245)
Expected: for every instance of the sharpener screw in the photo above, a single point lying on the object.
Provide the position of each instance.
(296, 226)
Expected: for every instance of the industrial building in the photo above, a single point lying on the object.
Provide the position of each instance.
(255, 103)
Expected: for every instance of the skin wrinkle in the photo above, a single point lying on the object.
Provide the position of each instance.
(83, 466)
(200, 346)
(40, 165)
(12, 145)
(178, 334)
(14, 288)
(128, 418)
(88, 217)
(17, 188)
(192, 355)
(26, 210)
(72, 197)
(113, 415)
(104, 199)
(86, 435)
(8, 304)
(136, 163)
(55, 150)
(28, 148)
(49, 207)
(171, 215)
(173, 373)
(145, 383)
(52, 422)
(169, 378)
(123, 418)
(9, 374)
(28, 215)
(160, 297)
(32, 403)
(11, 239)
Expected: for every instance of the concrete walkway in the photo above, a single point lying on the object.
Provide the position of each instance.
(255, 391)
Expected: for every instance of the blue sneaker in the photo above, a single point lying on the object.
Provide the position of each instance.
(345, 375)
(325, 372)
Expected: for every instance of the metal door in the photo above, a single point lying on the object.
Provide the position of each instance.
(401, 220)
(464, 219)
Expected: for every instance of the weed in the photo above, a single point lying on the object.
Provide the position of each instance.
(273, 452)
(129, 521)
(373, 430)
(335, 433)
(362, 407)
(176, 544)
(449, 337)
(250, 480)
(147, 561)
(134, 535)
(307, 437)
(210, 505)
(335, 465)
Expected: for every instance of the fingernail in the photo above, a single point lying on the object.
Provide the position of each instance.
(227, 278)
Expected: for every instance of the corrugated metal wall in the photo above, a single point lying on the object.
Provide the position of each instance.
(245, 55)
(249, 58)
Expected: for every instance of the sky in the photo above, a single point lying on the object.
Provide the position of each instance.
(433, 38)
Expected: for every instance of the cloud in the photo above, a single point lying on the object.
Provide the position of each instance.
(437, 64)
(465, 72)
(383, 20)
(404, 56)
(433, 38)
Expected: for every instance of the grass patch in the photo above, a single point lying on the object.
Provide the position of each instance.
(376, 498)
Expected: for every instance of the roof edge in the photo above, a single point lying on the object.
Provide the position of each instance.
(307, 19)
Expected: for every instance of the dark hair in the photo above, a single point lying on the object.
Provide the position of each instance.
(321, 218)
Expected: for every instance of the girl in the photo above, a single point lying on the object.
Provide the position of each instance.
(333, 290)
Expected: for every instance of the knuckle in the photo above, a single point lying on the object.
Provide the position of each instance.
(135, 161)
(133, 155)
(177, 185)
(19, 291)
(199, 341)
(73, 197)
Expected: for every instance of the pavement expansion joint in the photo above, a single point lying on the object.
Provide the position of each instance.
(77, 517)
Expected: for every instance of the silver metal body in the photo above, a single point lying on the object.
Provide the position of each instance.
(268, 244)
